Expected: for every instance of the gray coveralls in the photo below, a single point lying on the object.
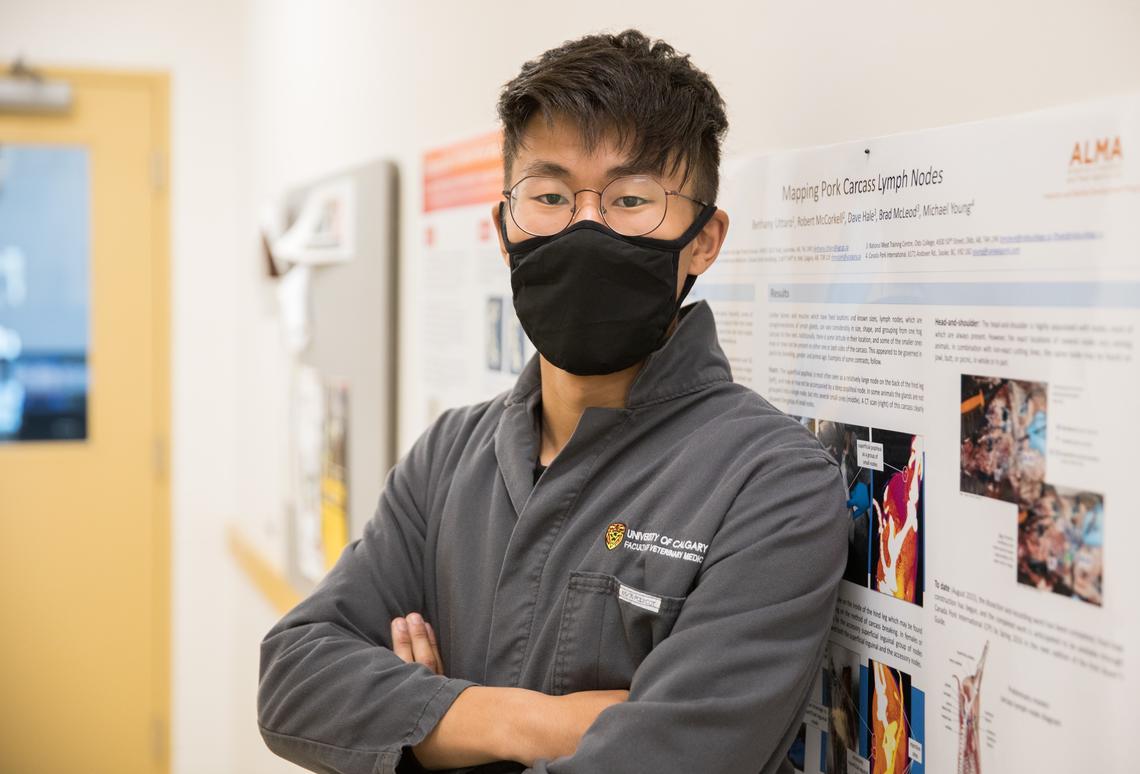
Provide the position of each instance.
(688, 547)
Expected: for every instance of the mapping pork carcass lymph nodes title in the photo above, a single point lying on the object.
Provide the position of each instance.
(882, 183)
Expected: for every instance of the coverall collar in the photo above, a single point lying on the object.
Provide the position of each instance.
(689, 360)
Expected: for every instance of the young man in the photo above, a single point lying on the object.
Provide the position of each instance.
(627, 563)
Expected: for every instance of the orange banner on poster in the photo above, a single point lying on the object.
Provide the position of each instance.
(467, 172)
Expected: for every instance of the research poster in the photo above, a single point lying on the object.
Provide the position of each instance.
(954, 314)
(473, 344)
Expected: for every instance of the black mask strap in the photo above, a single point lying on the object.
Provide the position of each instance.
(689, 280)
(690, 234)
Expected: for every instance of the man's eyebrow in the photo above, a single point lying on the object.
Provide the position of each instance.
(630, 169)
(553, 169)
(546, 169)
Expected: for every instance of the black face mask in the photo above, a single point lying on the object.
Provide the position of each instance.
(593, 301)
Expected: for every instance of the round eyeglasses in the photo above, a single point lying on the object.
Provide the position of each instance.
(633, 205)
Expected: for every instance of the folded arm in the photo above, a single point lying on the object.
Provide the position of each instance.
(342, 690)
(491, 724)
(332, 695)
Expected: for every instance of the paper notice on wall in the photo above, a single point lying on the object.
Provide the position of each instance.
(954, 313)
(334, 472)
(308, 411)
(320, 418)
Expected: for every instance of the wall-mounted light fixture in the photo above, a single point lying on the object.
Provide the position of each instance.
(24, 90)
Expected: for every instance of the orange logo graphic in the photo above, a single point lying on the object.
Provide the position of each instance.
(614, 534)
(1092, 151)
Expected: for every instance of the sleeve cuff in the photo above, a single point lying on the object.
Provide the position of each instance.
(428, 719)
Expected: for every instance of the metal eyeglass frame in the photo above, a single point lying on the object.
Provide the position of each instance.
(601, 207)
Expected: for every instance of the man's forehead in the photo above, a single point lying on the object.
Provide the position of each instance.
(559, 148)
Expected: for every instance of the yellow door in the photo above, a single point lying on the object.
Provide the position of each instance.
(84, 524)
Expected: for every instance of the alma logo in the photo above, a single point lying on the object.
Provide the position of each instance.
(614, 534)
(1093, 151)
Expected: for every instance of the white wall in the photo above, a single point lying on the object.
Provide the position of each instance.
(269, 93)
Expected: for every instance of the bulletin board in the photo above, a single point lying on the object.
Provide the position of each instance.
(334, 255)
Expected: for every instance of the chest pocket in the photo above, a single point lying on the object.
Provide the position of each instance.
(606, 630)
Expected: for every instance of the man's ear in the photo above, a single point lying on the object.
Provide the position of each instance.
(499, 233)
(705, 246)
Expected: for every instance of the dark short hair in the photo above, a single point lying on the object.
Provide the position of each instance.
(661, 107)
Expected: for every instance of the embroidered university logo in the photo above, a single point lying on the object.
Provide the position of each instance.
(618, 534)
(614, 533)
